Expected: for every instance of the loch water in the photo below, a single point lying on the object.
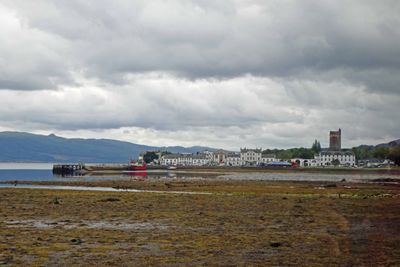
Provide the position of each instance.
(11, 172)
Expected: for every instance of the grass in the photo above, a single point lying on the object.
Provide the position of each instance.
(242, 223)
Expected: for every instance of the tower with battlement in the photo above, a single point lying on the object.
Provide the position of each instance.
(335, 140)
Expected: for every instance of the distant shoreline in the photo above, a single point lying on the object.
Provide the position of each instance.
(222, 169)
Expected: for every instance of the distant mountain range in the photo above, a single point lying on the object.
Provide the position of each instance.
(388, 145)
(27, 147)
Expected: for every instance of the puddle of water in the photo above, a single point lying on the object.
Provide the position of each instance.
(96, 188)
(261, 176)
(110, 225)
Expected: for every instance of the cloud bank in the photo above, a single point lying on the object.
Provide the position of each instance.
(226, 74)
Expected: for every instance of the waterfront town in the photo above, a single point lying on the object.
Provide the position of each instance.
(332, 156)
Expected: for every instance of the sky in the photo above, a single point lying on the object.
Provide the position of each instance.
(224, 74)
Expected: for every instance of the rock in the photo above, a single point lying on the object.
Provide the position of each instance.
(6, 260)
(329, 185)
(275, 244)
(111, 199)
(76, 241)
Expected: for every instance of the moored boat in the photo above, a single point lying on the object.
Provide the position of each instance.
(171, 167)
(137, 166)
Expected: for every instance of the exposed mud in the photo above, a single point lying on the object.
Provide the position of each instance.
(241, 223)
(68, 224)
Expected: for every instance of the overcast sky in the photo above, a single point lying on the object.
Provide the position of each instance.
(224, 74)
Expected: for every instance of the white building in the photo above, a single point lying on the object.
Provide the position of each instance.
(200, 159)
(250, 156)
(219, 157)
(233, 159)
(169, 159)
(305, 162)
(313, 163)
(185, 160)
(267, 158)
(326, 158)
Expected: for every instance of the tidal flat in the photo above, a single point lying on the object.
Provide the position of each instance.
(241, 223)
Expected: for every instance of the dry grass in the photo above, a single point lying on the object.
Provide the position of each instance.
(240, 224)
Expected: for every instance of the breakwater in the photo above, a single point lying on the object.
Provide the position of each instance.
(67, 169)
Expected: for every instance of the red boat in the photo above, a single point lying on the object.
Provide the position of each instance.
(136, 166)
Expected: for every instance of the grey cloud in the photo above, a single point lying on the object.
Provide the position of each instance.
(277, 73)
(192, 39)
(242, 110)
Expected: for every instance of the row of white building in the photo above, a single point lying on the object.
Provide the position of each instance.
(326, 158)
(246, 157)
(253, 157)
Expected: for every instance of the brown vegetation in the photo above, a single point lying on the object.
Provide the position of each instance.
(241, 223)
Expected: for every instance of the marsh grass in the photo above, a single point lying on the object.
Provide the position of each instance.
(241, 223)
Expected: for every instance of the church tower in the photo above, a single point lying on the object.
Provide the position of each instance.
(335, 140)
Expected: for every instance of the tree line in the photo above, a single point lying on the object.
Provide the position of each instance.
(367, 152)
(361, 153)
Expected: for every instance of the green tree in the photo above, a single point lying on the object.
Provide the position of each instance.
(284, 154)
(363, 152)
(394, 155)
(316, 147)
(380, 152)
(335, 162)
(150, 156)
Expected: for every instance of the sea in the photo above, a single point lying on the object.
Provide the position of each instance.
(11, 172)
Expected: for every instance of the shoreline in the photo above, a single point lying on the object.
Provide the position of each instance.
(241, 223)
(219, 170)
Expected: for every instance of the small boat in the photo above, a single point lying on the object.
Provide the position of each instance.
(171, 167)
(137, 166)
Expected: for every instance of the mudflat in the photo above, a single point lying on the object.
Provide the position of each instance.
(240, 223)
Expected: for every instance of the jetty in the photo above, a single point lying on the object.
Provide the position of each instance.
(68, 169)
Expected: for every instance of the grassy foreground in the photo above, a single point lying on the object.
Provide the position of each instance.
(238, 224)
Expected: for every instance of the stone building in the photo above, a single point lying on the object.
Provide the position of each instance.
(345, 158)
(250, 156)
(335, 140)
(219, 157)
(335, 153)
(233, 159)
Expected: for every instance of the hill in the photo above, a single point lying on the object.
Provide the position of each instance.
(27, 147)
(390, 144)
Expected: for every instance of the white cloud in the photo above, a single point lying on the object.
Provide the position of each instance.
(159, 109)
(221, 73)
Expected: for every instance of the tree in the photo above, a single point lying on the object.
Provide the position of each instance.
(363, 152)
(149, 156)
(316, 147)
(381, 152)
(394, 155)
(335, 162)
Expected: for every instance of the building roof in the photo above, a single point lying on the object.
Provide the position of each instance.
(268, 155)
(199, 156)
(245, 150)
(220, 151)
(171, 156)
(339, 153)
(279, 163)
(180, 156)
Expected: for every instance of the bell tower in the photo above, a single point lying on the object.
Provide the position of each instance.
(335, 140)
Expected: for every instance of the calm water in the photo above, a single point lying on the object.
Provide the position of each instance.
(43, 172)
(97, 188)
(11, 172)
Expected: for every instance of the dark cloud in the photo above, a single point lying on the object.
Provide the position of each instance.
(252, 71)
(108, 40)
